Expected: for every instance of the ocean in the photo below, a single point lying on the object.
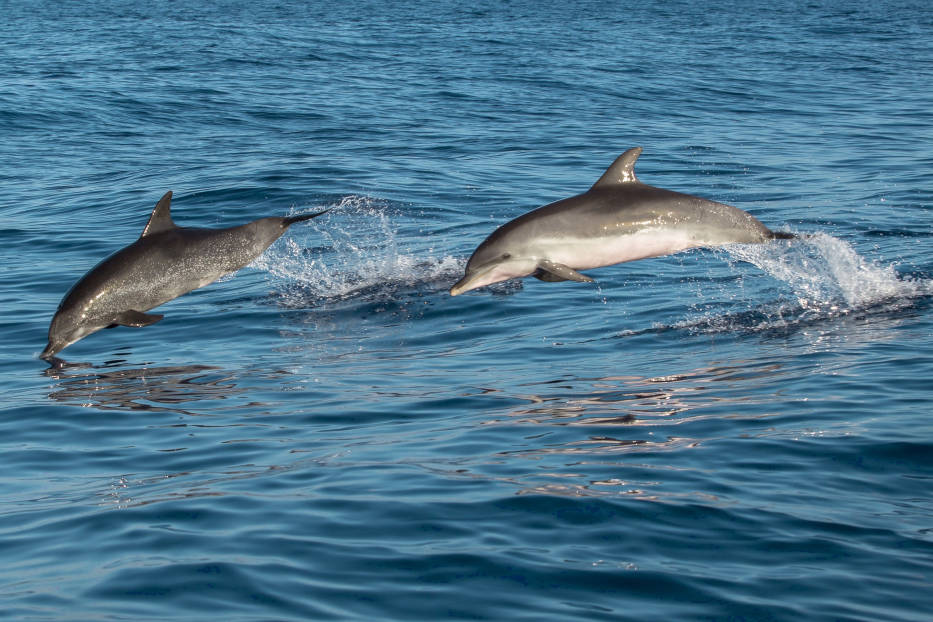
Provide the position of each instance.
(732, 434)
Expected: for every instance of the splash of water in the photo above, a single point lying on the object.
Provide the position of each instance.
(827, 273)
(827, 279)
(359, 255)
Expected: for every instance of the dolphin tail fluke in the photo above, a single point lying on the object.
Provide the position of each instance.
(302, 217)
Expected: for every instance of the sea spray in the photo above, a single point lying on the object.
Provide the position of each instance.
(827, 273)
(814, 278)
(358, 254)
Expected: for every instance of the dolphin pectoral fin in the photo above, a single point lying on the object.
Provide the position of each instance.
(136, 319)
(552, 271)
(548, 277)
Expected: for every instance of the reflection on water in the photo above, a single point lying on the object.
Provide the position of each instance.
(633, 401)
(614, 435)
(147, 388)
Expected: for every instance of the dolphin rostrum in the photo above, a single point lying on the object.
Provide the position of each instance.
(618, 219)
(164, 263)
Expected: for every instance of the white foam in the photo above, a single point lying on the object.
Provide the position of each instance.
(826, 272)
(355, 251)
(826, 277)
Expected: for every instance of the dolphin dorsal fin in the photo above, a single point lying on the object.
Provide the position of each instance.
(622, 170)
(161, 219)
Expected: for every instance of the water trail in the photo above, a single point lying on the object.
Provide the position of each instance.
(827, 279)
(359, 253)
(826, 272)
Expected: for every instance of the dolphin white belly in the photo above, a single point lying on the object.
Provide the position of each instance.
(584, 254)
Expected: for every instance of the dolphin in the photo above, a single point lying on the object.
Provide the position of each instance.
(164, 263)
(618, 219)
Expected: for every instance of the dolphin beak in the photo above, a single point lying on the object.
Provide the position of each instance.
(463, 285)
(484, 275)
(49, 351)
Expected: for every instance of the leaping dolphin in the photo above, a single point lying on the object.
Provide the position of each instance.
(164, 263)
(618, 219)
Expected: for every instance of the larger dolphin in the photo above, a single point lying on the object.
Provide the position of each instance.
(618, 219)
(164, 263)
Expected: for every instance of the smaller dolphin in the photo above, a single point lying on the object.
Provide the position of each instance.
(618, 219)
(164, 263)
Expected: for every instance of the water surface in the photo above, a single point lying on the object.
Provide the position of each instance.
(731, 434)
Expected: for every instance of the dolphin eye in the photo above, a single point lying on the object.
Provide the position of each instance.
(506, 256)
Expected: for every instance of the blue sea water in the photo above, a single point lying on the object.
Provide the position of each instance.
(732, 434)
